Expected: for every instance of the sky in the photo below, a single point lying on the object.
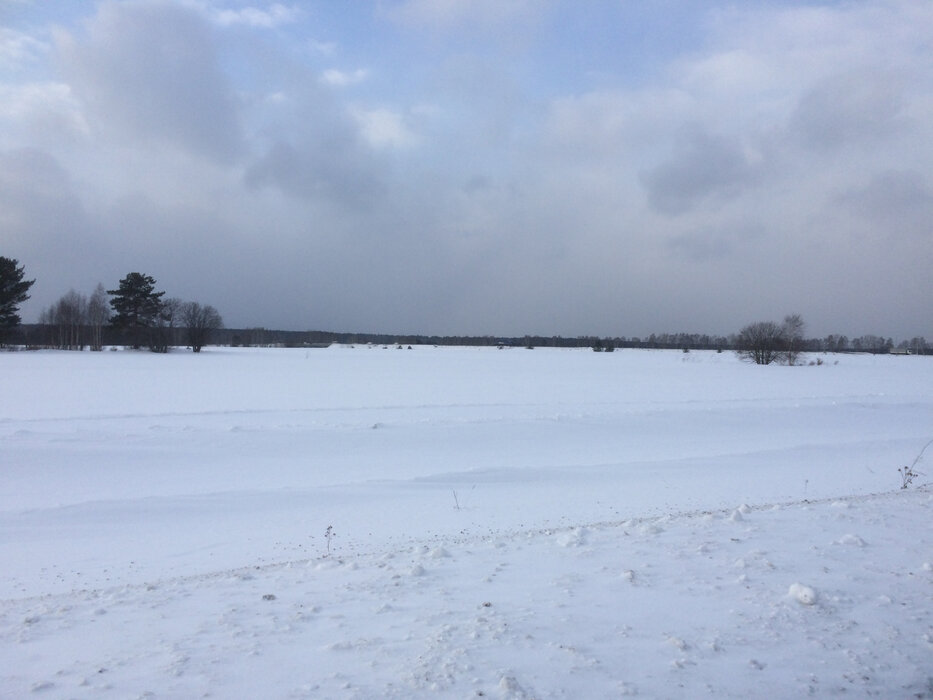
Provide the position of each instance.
(491, 167)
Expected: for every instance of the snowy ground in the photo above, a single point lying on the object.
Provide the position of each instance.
(514, 523)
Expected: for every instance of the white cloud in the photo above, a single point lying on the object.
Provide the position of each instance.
(453, 14)
(383, 128)
(340, 78)
(17, 48)
(276, 15)
(42, 110)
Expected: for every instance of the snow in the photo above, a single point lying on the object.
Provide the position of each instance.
(802, 594)
(505, 523)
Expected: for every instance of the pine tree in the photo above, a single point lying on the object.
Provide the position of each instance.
(13, 292)
(136, 305)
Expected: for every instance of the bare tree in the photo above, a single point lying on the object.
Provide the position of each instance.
(761, 342)
(199, 322)
(66, 320)
(98, 312)
(172, 318)
(792, 330)
(72, 318)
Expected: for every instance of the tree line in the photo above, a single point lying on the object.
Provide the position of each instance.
(133, 314)
(136, 314)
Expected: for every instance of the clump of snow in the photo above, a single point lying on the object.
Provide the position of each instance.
(511, 689)
(851, 539)
(802, 594)
(650, 528)
(573, 538)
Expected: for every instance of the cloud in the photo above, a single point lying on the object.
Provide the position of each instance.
(45, 225)
(848, 109)
(317, 148)
(276, 15)
(461, 185)
(18, 48)
(30, 175)
(41, 112)
(149, 71)
(899, 202)
(703, 166)
(445, 15)
(328, 163)
(714, 244)
(383, 128)
(339, 78)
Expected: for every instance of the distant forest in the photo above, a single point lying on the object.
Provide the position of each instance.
(42, 335)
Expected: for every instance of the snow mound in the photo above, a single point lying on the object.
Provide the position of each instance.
(802, 594)
(510, 689)
(850, 539)
(574, 538)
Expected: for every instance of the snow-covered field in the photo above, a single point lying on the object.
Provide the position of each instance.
(505, 523)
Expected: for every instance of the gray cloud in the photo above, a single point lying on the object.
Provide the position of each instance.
(857, 108)
(716, 243)
(46, 227)
(326, 169)
(149, 70)
(899, 202)
(779, 165)
(703, 166)
(36, 198)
